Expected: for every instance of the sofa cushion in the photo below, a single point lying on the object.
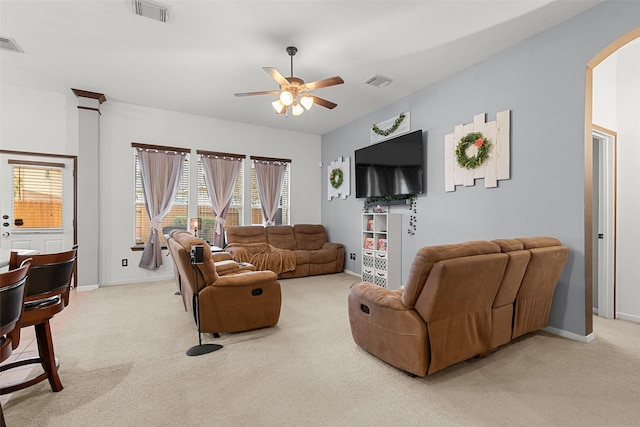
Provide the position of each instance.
(539, 242)
(508, 245)
(310, 236)
(322, 256)
(281, 236)
(246, 234)
(427, 257)
(302, 257)
(516, 267)
(535, 295)
(456, 304)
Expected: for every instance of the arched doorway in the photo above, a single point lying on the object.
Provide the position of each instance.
(588, 147)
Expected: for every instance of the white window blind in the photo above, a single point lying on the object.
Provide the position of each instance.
(37, 195)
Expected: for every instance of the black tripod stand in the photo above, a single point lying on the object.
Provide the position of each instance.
(197, 350)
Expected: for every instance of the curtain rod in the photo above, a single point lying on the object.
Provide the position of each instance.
(160, 147)
(270, 159)
(220, 154)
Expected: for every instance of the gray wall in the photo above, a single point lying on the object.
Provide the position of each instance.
(542, 82)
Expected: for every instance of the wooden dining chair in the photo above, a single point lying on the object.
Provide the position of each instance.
(47, 293)
(12, 290)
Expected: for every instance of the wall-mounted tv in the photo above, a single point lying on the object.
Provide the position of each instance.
(390, 168)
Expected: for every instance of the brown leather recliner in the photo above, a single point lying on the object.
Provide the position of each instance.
(441, 317)
(231, 303)
(222, 260)
(459, 301)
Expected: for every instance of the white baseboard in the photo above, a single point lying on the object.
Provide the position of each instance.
(84, 288)
(570, 335)
(629, 317)
(131, 282)
(351, 273)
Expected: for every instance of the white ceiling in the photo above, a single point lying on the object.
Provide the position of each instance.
(208, 50)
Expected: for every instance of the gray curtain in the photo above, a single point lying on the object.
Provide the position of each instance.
(160, 172)
(220, 175)
(270, 176)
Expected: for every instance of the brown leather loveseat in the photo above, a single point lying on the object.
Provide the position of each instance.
(459, 301)
(235, 302)
(289, 250)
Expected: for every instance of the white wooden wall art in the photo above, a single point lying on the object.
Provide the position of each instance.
(403, 127)
(494, 168)
(338, 182)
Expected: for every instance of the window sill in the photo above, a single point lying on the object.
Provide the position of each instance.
(137, 248)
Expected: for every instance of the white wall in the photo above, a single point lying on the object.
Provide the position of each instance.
(38, 121)
(616, 106)
(542, 82)
(628, 232)
(46, 121)
(605, 108)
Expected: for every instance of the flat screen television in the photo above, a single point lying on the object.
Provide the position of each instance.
(390, 168)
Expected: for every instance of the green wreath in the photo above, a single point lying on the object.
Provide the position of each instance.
(336, 178)
(392, 129)
(477, 139)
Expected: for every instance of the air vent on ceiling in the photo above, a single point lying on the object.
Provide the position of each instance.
(378, 81)
(10, 45)
(150, 9)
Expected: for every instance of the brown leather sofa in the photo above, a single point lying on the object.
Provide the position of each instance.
(223, 261)
(289, 250)
(459, 301)
(235, 302)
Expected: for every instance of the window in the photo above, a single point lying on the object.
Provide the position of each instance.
(184, 207)
(177, 216)
(282, 217)
(37, 194)
(205, 213)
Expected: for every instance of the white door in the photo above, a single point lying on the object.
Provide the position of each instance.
(36, 202)
(606, 141)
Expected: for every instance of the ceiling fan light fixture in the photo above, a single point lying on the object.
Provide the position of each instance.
(293, 91)
(297, 109)
(278, 106)
(286, 97)
(306, 101)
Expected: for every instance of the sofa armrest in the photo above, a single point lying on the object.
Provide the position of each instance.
(227, 266)
(221, 256)
(332, 245)
(379, 296)
(249, 278)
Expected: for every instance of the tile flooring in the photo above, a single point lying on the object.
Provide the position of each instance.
(28, 346)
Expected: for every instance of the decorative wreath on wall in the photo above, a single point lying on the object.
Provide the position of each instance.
(336, 178)
(477, 139)
(392, 129)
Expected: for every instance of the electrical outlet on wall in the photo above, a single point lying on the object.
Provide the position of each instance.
(125, 262)
(352, 256)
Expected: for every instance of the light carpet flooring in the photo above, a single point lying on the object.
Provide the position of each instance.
(123, 363)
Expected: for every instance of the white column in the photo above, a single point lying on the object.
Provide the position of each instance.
(88, 191)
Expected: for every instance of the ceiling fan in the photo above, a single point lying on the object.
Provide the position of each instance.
(294, 92)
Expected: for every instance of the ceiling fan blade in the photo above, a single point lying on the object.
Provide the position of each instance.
(323, 102)
(262, 92)
(331, 81)
(275, 75)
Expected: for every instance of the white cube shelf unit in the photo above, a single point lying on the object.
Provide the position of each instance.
(382, 249)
